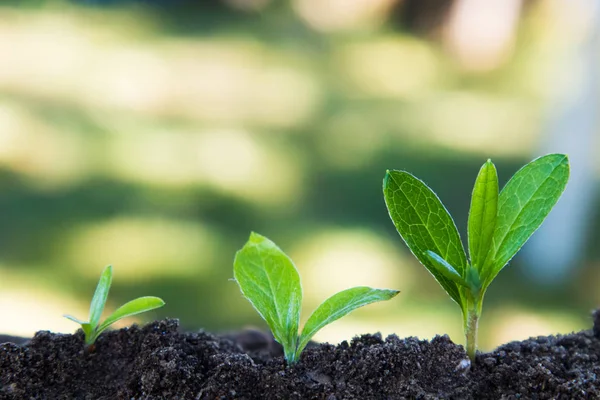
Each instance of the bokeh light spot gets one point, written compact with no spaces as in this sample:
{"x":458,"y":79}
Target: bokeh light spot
{"x":142,"y":249}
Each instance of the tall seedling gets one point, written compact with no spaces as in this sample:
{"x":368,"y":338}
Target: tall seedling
{"x":498,"y":226}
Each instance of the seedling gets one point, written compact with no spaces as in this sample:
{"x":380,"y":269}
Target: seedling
{"x":498,"y":226}
{"x":92,"y":328}
{"x":269,"y":280}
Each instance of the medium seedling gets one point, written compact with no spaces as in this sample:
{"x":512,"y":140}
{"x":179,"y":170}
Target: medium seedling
{"x":92,"y":328}
{"x":498,"y":226}
{"x":269,"y":280}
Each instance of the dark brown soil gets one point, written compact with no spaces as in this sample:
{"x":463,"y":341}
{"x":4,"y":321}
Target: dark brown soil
{"x":158,"y":362}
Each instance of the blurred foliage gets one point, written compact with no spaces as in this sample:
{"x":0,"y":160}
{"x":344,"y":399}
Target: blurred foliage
{"x":156,"y":139}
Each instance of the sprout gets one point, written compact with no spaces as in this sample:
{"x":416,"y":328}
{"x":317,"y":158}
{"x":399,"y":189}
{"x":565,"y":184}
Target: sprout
{"x":92,"y":328}
{"x":498,"y":226}
{"x":269,"y":280}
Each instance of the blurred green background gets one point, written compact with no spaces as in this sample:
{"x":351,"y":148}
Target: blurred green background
{"x":154,"y":136}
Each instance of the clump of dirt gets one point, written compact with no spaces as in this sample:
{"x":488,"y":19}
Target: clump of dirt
{"x":158,"y":362}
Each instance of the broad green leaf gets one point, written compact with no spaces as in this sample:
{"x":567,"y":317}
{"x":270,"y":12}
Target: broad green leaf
{"x":523,"y":205}
{"x":133,"y":307}
{"x":100,"y":295}
{"x":269,"y":280}
{"x":482,"y":215}
{"x":337,"y":306}
{"x":424,"y":224}
{"x":445,"y":269}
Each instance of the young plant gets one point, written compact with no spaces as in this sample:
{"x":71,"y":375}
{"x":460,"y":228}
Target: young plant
{"x":498,"y":226}
{"x":92,"y":328}
{"x":269,"y":280}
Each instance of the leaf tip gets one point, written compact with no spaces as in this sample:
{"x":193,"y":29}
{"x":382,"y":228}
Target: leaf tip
{"x":566,"y":162}
{"x":563,"y":158}
{"x":489,"y":164}
{"x":386,"y":177}
{"x":255,"y":237}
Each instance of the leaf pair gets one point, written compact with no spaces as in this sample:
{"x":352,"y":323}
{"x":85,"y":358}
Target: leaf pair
{"x":268,"y":278}
{"x":92,"y":328}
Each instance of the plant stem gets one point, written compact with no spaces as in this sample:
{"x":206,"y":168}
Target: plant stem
{"x":291,"y":354}
{"x":471,"y":334}
{"x":290,"y":357}
{"x":471,"y":323}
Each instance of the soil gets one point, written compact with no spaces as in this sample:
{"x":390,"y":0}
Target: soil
{"x":158,"y":362}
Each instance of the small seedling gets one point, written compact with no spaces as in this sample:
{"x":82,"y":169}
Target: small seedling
{"x":92,"y":328}
{"x":269,"y":280}
{"x":498,"y":226}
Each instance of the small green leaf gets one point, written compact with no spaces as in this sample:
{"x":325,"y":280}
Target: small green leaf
{"x":445,"y":269}
{"x":337,"y":306}
{"x":523,"y":205}
{"x":482,"y":215}
{"x":100,"y":295}
{"x":424,"y":224}
{"x":85,"y":326}
{"x":133,"y":307}
{"x":268,"y":278}
{"x":76,"y":320}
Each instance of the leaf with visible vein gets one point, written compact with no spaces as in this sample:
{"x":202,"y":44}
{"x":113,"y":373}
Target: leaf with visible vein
{"x":268,"y":278}
{"x":424,"y":224}
{"x":482,"y":214}
{"x":337,"y":306}
{"x":523,"y":205}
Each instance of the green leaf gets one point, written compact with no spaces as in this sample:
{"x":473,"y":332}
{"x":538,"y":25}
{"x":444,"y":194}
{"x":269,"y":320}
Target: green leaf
{"x":523,"y":205}
{"x":337,"y":306}
{"x":482,"y":215}
{"x":133,"y":307}
{"x":445,"y":269}
{"x":100,"y":295}
{"x":269,"y":280}
{"x":424,"y":224}
{"x":76,"y":320}
{"x":85,"y":326}
{"x":87,"y":330}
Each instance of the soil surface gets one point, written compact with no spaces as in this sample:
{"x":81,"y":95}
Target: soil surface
{"x":158,"y":362}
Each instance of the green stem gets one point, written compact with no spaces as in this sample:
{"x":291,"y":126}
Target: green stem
{"x":291,"y":354}
{"x":471,"y":334}
{"x":291,"y":357}
{"x":470,"y":325}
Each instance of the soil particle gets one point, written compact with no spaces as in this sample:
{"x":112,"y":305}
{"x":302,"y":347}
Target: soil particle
{"x":158,"y":362}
